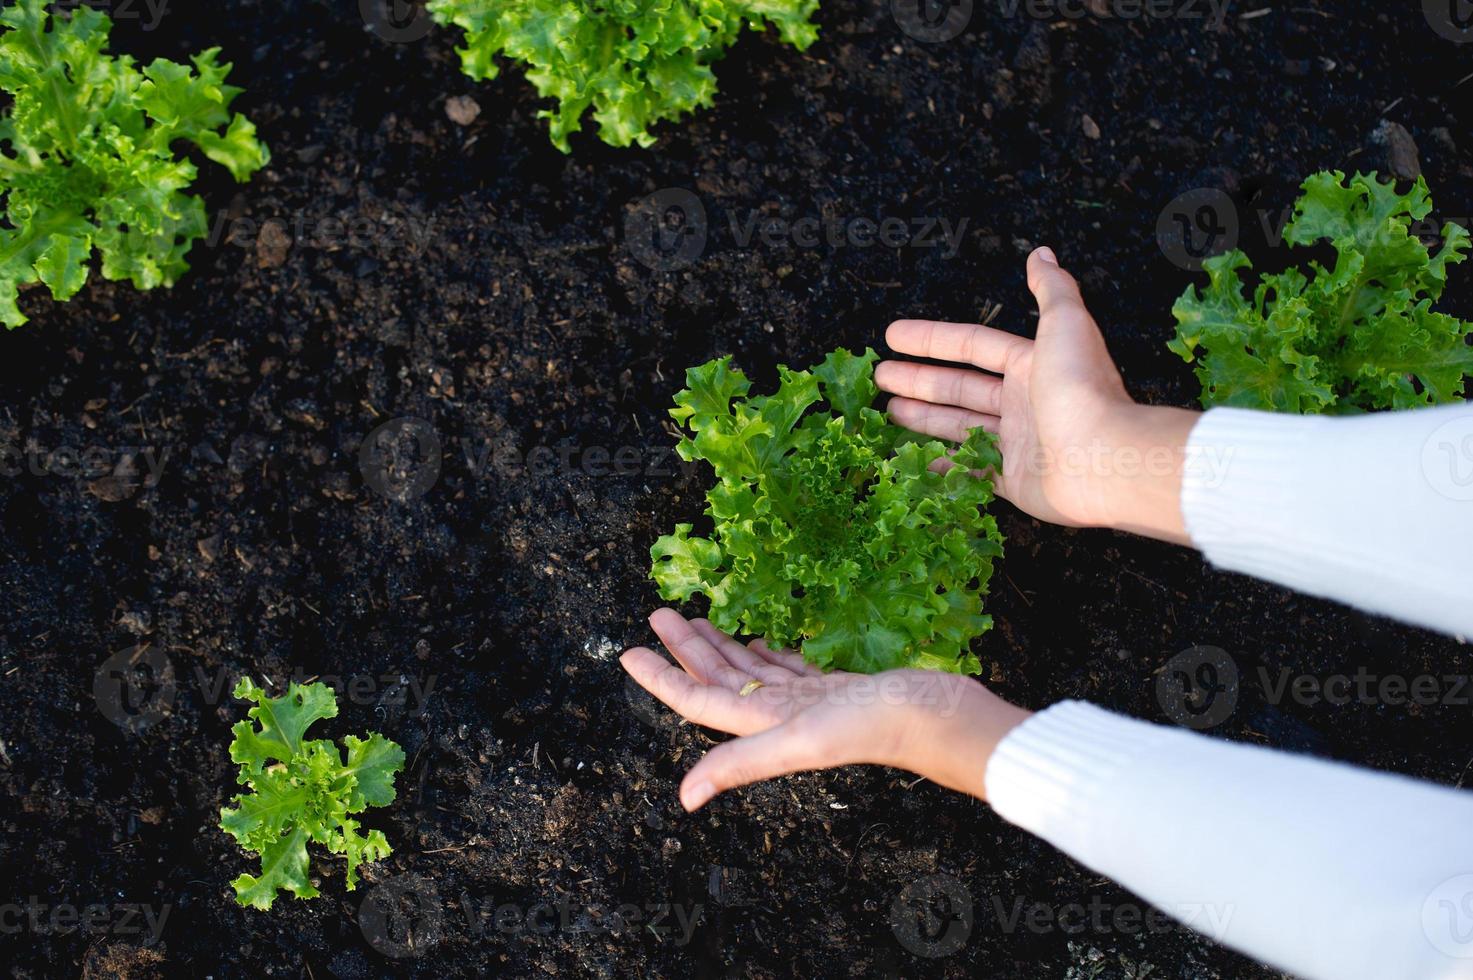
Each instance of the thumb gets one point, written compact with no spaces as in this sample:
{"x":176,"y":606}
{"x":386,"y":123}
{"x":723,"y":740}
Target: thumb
{"x":1056,"y":291}
{"x":793,"y":746}
{"x":1065,"y":324}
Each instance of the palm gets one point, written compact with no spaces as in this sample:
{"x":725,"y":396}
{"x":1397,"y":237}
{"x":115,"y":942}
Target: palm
{"x":793,"y":717}
{"x":1036,"y":395}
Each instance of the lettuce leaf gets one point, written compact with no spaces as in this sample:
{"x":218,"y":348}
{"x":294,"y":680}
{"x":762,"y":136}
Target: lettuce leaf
{"x":830,"y":529}
{"x":302,"y":790}
{"x":87,"y":155}
{"x":634,"y":62}
{"x":1358,"y":335}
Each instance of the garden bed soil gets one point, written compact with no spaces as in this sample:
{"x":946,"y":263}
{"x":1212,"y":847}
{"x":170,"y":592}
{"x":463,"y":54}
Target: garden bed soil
{"x":494,"y":295}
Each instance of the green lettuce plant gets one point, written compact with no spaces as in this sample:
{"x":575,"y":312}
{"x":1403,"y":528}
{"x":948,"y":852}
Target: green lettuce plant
{"x":635,"y":62}
{"x":87,"y":155}
{"x":831,"y":531}
{"x":1358,"y":335}
{"x":303,"y":790}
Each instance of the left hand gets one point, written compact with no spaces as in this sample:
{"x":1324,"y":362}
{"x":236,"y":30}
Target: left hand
{"x":937,"y":725}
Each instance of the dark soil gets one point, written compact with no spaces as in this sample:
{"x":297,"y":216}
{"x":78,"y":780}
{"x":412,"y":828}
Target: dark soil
{"x":522,"y":319}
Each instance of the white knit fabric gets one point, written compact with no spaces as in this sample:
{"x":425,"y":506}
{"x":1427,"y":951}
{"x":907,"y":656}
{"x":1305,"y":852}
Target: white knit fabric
{"x":1372,"y":510}
{"x":1317,"y":868}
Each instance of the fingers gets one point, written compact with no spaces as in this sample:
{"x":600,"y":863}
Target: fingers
{"x":714,"y":707}
{"x":941,"y":385}
{"x":939,"y":421}
{"x":967,"y":343}
{"x":784,"y":658}
{"x":794,"y":746}
{"x":742,"y":658}
{"x":695,"y":652}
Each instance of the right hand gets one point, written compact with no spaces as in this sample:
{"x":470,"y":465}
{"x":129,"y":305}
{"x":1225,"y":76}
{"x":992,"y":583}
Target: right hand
{"x":1059,"y":408}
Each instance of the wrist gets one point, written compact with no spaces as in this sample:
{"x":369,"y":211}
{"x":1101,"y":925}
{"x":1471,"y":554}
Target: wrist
{"x":957,"y":738}
{"x":1140,"y":485}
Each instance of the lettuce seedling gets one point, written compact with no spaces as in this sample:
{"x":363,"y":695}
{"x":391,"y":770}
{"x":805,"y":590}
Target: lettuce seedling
{"x":87,"y":155}
{"x":831,"y":529}
{"x":635,"y":62}
{"x":303,"y":790}
{"x":1357,"y":336}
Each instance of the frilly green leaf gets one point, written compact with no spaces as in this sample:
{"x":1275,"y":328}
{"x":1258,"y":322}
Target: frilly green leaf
{"x":303,"y":790}
{"x":1358,"y":336}
{"x":830,"y":529}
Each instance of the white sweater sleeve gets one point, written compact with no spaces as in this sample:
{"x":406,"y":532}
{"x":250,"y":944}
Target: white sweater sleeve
{"x":1318,"y":868}
{"x":1374,"y":510}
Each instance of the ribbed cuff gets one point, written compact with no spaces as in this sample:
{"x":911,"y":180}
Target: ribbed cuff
{"x":1238,"y":492}
{"x":1046,"y":774}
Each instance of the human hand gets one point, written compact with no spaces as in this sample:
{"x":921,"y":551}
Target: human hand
{"x":937,"y":725}
{"x":1077,"y":450}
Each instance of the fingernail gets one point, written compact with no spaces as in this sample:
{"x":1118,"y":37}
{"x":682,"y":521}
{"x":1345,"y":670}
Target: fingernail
{"x":696,"y":796}
{"x":1046,"y":254}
